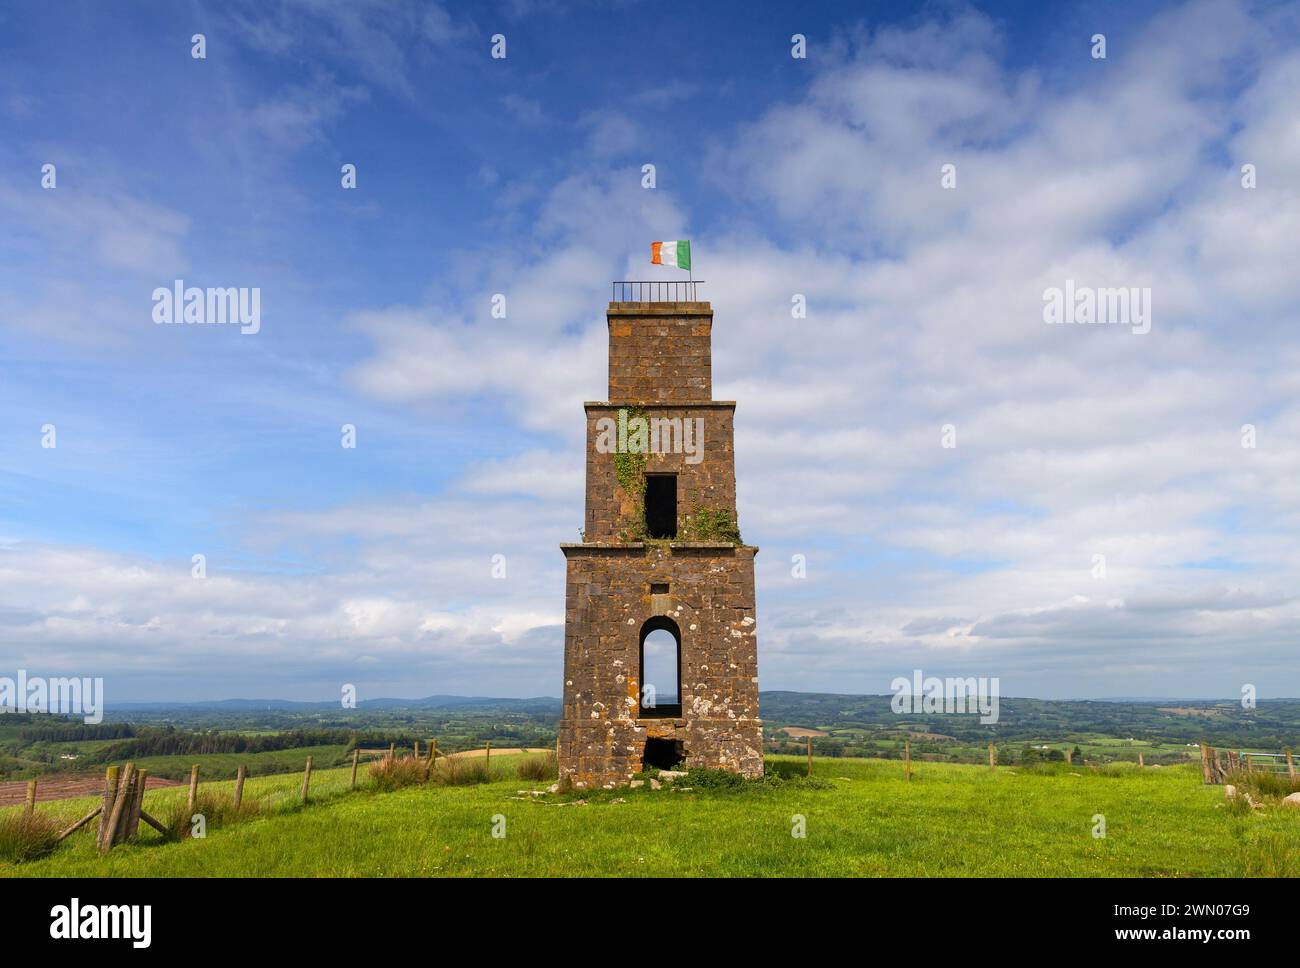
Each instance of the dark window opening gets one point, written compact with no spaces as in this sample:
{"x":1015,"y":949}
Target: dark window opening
{"x":663,"y":754}
{"x":661,"y":505}
{"x":658,"y":589}
{"x":661,"y":663}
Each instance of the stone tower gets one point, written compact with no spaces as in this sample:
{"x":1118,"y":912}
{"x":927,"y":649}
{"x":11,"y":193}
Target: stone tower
{"x":661,"y":559}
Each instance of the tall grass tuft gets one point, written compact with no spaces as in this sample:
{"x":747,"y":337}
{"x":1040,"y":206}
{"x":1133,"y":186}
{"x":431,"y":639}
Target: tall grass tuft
{"x":1238,"y":806}
{"x":1272,"y":855}
{"x":396,"y":773}
{"x":539,"y":768}
{"x":462,"y":771}
{"x":27,"y":836}
{"x":1261,"y":784}
{"x":217,"y":810}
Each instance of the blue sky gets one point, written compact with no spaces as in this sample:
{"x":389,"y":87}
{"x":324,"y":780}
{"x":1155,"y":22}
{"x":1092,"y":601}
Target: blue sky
{"x":522,"y":176}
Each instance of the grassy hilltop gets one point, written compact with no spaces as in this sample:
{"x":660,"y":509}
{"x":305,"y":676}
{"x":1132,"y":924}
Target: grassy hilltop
{"x":862,"y":818}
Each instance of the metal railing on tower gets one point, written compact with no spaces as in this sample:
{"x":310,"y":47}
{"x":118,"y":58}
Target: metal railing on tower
{"x":655,"y":290}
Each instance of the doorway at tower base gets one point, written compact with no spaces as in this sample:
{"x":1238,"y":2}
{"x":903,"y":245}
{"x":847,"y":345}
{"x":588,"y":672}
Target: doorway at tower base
{"x":610,"y":753}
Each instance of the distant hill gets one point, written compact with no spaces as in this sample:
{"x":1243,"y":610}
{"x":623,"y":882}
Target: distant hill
{"x":539,"y":704}
{"x":853,"y":720}
{"x":857,"y":723}
{"x":784,"y":707}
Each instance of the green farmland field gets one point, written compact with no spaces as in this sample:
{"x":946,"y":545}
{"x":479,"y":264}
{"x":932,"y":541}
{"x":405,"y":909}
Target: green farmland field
{"x":950,"y":820}
{"x":177,"y":767}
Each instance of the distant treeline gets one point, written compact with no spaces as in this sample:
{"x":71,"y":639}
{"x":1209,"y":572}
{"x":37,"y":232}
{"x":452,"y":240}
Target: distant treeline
{"x":168,"y":741}
{"x":71,"y":732}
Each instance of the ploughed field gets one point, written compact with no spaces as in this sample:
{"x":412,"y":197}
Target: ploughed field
{"x":62,"y":786}
{"x":861,"y":817}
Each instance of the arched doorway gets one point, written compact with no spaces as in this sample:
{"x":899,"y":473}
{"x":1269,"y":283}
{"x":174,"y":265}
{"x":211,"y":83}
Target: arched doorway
{"x":661,"y":668}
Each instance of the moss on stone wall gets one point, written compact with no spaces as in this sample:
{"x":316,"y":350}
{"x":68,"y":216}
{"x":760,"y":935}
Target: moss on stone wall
{"x":629,"y":468}
{"x":710,"y":524}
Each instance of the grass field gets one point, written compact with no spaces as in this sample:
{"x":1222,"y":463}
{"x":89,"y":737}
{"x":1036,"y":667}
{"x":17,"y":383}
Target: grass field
{"x":950,"y":820}
{"x":177,"y":767}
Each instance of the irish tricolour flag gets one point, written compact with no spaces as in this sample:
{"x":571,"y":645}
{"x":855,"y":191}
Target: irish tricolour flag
{"x":677,"y":253}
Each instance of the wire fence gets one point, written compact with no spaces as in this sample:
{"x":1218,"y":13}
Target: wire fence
{"x":1216,"y":764}
{"x":1264,"y":762}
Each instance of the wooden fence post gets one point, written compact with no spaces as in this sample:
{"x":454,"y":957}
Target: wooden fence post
{"x":1216,"y":774}
{"x":306,"y":779}
{"x":1205,"y":763}
{"x":125,"y":805}
{"x":810,"y":756}
{"x":392,"y":750}
{"x":1069,"y":757}
{"x":993,"y":759}
{"x":487,"y":757}
{"x":1141,"y":762}
{"x":106,"y":804}
{"x":907,"y":759}
{"x":355,"y":754}
{"x":1290,"y":766}
{"x":1250,"y":764}
{"x":194,"y":788}
{"x":417,"y":750}
{"x":137,"y":803}
{"x":30,"y":806}
{"x":240,"y":776}
{"x":119,"y":804}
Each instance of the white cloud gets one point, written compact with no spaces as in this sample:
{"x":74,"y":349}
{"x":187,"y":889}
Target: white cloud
{"x":924,"y":309}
